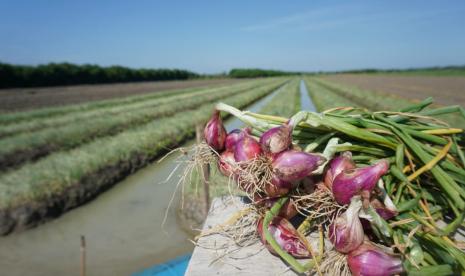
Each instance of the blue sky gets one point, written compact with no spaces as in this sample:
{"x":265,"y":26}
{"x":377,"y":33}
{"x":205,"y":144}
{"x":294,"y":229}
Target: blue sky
{"x":215,"y":36}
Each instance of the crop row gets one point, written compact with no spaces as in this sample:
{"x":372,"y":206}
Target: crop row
{"x":51,"y":180}
{"x":323,"y":98}
{"x":363,"y":98}
{"x":286,"y":103}
{"x":137,"y":104}
{"x":378,"y":101}
{"x":17,"y":149}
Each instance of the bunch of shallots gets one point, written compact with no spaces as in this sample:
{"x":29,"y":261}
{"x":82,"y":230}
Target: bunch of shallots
{"x":386,"y":188}
{"x":286,"y":169}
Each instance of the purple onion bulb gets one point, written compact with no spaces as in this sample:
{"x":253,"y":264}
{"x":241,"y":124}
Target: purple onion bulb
{"x":337,"y":165}
{"x":277,"y":139}
{"x":214,"y":132}
{"x":371,"y":260}
{"x":294,"y":165}
{"x":346,"y":232}
{"x":234,"y":136}
{"x":351,"y":182}
{"x":247,"y":148}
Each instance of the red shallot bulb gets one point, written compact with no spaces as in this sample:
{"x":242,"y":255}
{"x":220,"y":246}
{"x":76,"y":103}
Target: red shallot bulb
{"x":337,"y":165}
{"x":371,"y":260}
{"x":277,"y":139}
{"x":214,"y":132}
{"x":247,"y":148}
{"x":234,"y":136}
{"x":346,"y":232}
{"x":294,"y":165}
{"x":352,"y":182}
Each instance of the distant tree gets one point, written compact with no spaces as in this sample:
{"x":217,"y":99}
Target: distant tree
{"x":53,"y":74}
{"x":255,"y":73}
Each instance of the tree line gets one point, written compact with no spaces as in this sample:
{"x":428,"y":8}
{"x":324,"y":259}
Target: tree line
{"x":54,"y":74}
{"x":255,"y":73}
{"x":434,"y":69}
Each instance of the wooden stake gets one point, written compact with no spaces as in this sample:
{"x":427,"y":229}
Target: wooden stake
{"x":83,"y":256}
{"x":205,"y":172}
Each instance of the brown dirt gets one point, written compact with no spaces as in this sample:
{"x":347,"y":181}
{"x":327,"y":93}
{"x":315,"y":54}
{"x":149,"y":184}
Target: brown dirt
{"x":445,"y":90}
{"x":18,"y":99}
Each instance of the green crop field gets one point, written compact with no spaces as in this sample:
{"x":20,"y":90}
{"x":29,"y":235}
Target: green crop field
{"x":84,"y":127}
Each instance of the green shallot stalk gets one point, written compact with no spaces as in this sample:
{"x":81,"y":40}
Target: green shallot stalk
{"x":459,"y":150}
{"x":450,"y":187}
{"x":419,"y":106}
{"x":315,"y":120}
{"x":249,"y":120}
{"x":400,"y":156}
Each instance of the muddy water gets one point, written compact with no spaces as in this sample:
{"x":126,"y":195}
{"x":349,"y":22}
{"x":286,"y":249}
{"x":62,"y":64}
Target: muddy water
{"x":122,"y":229}
{"x":306,"y":101}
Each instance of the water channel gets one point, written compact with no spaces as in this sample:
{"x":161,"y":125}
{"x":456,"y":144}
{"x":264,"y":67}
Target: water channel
{"x":305,"y":100}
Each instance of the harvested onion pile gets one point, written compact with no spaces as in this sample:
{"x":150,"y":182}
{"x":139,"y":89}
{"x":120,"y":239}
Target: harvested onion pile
{"x":387,"y":189}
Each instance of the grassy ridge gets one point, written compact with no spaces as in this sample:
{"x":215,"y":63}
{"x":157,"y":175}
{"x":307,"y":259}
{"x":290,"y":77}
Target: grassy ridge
{"x":323,"y":98}
{"x":17,"y":149}
{"x":286,"y":103}
{"x":51,"y":176}
{"x":366,"y":99}
{"x":135,"y":104}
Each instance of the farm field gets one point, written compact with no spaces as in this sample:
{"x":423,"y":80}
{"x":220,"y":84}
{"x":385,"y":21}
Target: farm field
{"x":328,"y":94}
{"x":445,"y":90}
{"x":92,"y":156}
{"x":34,"y":138}
{"x":17,"y":99}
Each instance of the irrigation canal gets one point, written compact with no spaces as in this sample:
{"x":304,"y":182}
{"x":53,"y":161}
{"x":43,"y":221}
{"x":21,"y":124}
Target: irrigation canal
{"x":122,"y":226}
{"x":305,"y":100}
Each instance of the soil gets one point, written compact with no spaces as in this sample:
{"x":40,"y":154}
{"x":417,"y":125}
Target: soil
{"x":444,"y":90}
{"x":19,"y":99}
{"x":17,"y":158}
